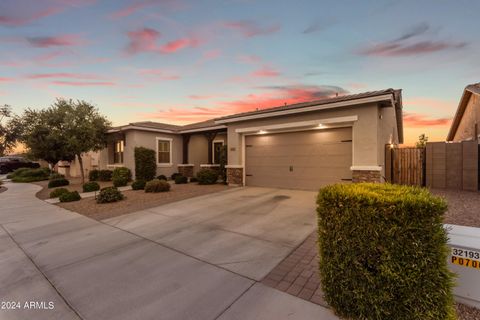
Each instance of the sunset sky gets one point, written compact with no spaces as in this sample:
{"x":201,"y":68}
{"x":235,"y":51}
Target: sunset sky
{"x":183,"y":61}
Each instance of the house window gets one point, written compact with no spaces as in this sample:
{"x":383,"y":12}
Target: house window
{"x":164,"y":151}
{"x":217,"y":150}
{"x":118,"y":151}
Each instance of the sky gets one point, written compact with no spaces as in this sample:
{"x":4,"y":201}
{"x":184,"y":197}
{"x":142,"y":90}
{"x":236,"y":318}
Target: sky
{"x":184,"y":61}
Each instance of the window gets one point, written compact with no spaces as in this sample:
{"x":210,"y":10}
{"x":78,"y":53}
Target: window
{"x":164,"y":151}
{"x":118,"y":151}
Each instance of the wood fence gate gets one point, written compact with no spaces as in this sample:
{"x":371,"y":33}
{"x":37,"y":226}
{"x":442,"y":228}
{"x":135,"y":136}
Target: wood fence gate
{"x":405,"y":165}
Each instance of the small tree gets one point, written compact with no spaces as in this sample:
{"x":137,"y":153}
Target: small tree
{"x":422,"y":141}
{"x":9,"y":131}
{"x":145,"y":164}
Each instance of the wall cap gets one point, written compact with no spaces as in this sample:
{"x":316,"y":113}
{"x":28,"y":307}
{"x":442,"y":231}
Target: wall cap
{"x":234,"y":166}
{"x":209,"y":165}
{"x":366,"y":168}
{"x":185,"y":165}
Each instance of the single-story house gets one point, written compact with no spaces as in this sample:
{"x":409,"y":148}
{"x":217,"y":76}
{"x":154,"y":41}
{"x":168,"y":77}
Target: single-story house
{"x":298,"y":146}
{"x":466,"y":123}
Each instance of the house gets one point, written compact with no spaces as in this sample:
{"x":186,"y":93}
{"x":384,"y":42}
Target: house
{"x":466,"y":123}
{"x":298,"y":146}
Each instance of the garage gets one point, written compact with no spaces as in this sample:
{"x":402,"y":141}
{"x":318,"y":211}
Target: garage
{"x":303,"y":160}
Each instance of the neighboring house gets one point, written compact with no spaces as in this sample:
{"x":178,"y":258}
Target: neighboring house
{"x":466,"y":123}
{"x":72,"y":168}
{"x":299,"y":146}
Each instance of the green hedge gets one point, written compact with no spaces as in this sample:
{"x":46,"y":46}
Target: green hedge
{"x":145,"y":164}
{"x":179,"y":179}
{"x":69,"y":196}
{"x":90,"y":186}
{"x":156,"y":185}
{"x":29,"y":175}
{"x":207,"y":176}
{"x":105,"y":175}
{"x":93,"y":175}
{"x":58,"y":183}
{"x":109,"y":194}
{"x":138,"y":185}
{"x":383,"y":252}
{"x":58,"y":192}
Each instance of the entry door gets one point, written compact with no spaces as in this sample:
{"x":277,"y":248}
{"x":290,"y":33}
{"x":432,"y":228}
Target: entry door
{"x":305,"y":160}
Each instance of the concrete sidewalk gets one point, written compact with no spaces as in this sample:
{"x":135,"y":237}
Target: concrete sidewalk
{"x":91,"y":270}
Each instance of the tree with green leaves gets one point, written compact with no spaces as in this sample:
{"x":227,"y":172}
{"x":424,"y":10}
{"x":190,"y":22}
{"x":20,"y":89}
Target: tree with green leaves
{"x":9,"y":130}
{"x":422,"y":141}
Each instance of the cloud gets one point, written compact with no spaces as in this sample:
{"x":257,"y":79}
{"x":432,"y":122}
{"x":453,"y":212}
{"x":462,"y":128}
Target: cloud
{"x":16,"y":21}
{"x":83,"y":83}
{"x":202,"y":97}
{"x":139,"y":5}
{"x":62,"y":75}
{"x":402,"y":46}
{"x":142,"y":40}
{"x":158,"y":74}
{"x":4,"y":79}
{"x":66,"y":40}
{"x":318,"y":25}
{"x":419,"y":120}
{"x":249,"y":28}
{"x":249,"y":59}
{"x":177,"y":45}
{"x":273,"y":96}
{"x":265,"y":72}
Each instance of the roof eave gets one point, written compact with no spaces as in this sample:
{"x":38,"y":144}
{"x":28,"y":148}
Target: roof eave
{"x":459,"y":114}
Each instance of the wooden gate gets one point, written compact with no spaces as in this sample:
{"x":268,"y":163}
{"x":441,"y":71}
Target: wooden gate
{"x":405,"y":165}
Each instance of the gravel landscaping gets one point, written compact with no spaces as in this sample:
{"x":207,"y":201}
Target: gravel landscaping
{"x":75,"y":185}
{"x":463,"y":207}
{"x":139,"y":200}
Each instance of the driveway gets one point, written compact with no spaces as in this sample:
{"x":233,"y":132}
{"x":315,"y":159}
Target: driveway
{"x":195,"y":259}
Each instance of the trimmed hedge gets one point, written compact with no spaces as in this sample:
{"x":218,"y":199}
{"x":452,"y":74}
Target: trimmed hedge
{"x":174,"y":176}
{"x":56,"y":175}
{"x":90,"y":186}
{"x":93,"y":175}
{"x":383,"y":252}
{"x":207,"y":176}
{"x":179,"y":179}
{"x":121,"y":176}
{"x":58,"y":183}
{"x":138,"y":184}
{"x":162,"y":177}
{"x":156,"y":185}
{"x":29,"y":174}
{"x":105,"y":175}
{"x":109,"y":194}
{"x":193,"y":179}
{"x":58,"y":192}
{"x":69,"y":196}
{"x":145,"y":164}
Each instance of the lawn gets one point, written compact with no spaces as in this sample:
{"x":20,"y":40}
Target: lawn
{"x":139,"y":200}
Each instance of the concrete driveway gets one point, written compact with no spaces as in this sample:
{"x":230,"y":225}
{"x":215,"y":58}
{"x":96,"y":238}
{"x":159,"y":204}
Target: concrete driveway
{"x":195,"y":259}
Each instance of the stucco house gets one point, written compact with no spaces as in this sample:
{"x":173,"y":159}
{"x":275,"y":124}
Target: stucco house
{"x":299,"y":146}
{"x":466,"y":123}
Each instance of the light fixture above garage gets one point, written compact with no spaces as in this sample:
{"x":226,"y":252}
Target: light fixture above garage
{"x":320,"y":126}
{"x":262,"y":132}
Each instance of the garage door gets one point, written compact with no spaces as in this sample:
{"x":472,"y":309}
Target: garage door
{"x":303,"y":160}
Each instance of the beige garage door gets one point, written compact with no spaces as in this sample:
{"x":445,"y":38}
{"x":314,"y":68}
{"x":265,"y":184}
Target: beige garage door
{"x":303,"y":160}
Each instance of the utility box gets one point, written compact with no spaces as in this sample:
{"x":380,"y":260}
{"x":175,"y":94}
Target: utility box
{"x":464,"y":260}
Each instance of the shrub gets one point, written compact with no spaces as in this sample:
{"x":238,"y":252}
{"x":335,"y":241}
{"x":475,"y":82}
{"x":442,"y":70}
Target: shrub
{"x":70,"y":196}
{"x":162,"y":177}
{"x":109,"y":194}
{"x":105,"y":175}
{"x":138,"y":185}
{"x":93,"y":175}
{"x":383,"y":252}
{"x":122,"y":172}
{"x":90,"y":186}
{"x":56,"y":175}
{"x":58,"y":192}
{"x":156,"y":185}
{"x":207,"y":176}
{"x":58,"y":183}
{"x":174,"y":176}
{"x":30,"y":175}
{"x":119,"y":182}
{"x":193,"y":179}
{"x":179,"y":179}
{"x":145,"y":164}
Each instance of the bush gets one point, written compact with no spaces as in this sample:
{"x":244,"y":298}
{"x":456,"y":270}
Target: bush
{"x":193,"y":179}
{"x":162,"y":177}
{"x":156,"y":185}
{"x":91,"y":186}
{"x":138,"y":185}
{"x":56,"y":175}
{"x":58,"y":183}
{"x":58,"y":192}
{"x":119,"y":182}
{"x":122,"y":172}
{"x":383,"y":252}
{"x":145,"y":164}
{"x":70,"y":196}
{"x":93,"y":175}
{"x":179,"y":179}
{"x":174,"y":176}
{"x":30,"y":175}
{"x":109,"y":194}
{"x":207,"y":176}
{"x":105,"y":175}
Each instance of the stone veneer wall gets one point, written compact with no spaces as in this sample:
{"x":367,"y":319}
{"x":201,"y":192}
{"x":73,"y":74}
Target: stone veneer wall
{"x":366,"y":176}
{"x":186,"y":171}
{"x":235,"y":176}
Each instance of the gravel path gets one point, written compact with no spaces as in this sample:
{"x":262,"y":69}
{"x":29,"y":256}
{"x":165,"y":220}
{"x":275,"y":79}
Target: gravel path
{"x":463,"y":207}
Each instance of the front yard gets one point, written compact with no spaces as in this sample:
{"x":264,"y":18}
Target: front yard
{"x":139,"y":200}
{"x":463,"y":207}
{"x":75,"y":185}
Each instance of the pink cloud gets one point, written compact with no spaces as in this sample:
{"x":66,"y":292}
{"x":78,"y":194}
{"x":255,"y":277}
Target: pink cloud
{"x":249,"y":59}
{"x":15,"y":21}
{"x":265,"y":72}
{"x":175,"y":45}
{"x":250,"y":28}
{"x":62,"y":75}
{"x":158,"y":74}
{"x":83,"y":83}
{"x":67,"y":40}
{"x":430,"y":103}
{"x":142,"y":40}
{"x":4,"y":79}
{"x":211,"y":54}
{"x":419,"y":120}
{"x":201,"y":97}
{"x":139,"y":5}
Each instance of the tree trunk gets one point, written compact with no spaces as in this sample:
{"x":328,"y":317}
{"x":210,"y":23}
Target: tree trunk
{"x":80,"y":162}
